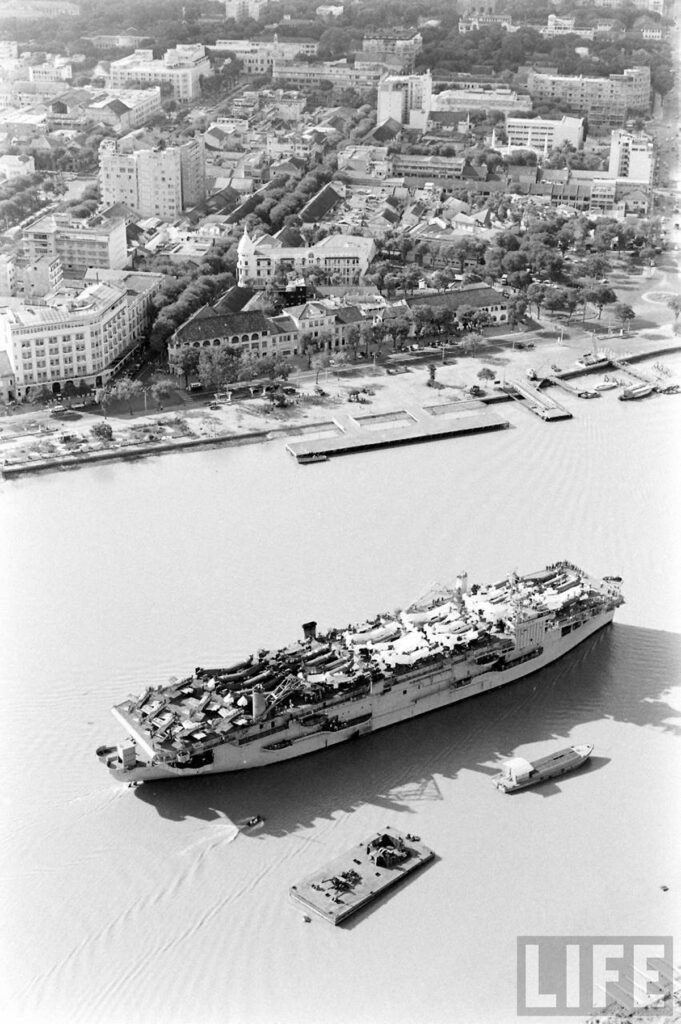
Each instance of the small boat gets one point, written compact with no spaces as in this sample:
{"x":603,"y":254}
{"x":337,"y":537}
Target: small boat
{"x":606,"y":385}
{"x":637,"y":391}
{"x":518,"y":773}
{"x":591,"y":361}
{"x":588,"y":394}
{"x":312,"y":457}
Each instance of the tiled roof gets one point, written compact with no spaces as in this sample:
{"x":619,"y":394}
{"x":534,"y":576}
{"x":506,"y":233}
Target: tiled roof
{"x":320,"y":205}
{"x":476,"y":297}
{"x":220,"y":326}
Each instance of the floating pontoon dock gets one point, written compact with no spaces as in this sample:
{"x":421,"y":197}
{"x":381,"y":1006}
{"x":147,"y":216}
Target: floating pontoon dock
{"x":361,"y":875}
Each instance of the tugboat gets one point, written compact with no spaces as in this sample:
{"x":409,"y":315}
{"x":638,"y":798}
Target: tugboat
{"x":519,"y":773}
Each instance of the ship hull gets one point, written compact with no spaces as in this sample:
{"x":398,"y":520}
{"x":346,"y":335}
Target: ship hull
{"x":407,"y":698}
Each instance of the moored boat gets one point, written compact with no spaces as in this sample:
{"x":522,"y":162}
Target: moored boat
{"x":518,"y":773}
{"x":606,"y":385}
{"x":636,"y":391}
{"x":453,"y":643}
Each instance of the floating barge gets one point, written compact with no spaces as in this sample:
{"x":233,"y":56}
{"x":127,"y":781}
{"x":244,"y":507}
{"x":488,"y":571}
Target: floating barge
{"x":361,"y":875}
{"x":405,"y":426}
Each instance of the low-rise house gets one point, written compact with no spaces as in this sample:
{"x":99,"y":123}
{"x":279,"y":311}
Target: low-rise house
{"x":477,"y":297}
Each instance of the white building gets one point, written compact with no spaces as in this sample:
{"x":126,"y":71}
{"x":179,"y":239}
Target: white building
{"x":181,"y":68}
{"x":406,"y":99}
{"x":154,"y":179}
{"x":261,"y":259}
{"x":8,"y":274}
{"x":631,"y":156}
{"x":503,"y":100}
{"x":239,"y":10}
{"x":542,"y":134}
{"x":258,"y":56}
{"x":76,"y":335}
{"x":79,"y":244}
{"x":325,"y":11}
{"x":12,"y":166}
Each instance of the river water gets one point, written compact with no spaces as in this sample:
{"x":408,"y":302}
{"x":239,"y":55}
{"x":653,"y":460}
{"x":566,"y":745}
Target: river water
{"x":149,"y":905}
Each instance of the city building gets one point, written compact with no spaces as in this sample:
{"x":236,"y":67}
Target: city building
{"x":262,"y":259}
{"x":339,"y":74}
{"x":12,"y":166}
{"x":631,"y":156}
{"x":58,"y":71}
{"x":406,"y":99}
{"x":327,"y":11}
{"x":182,"y":68}
{"x":125,"y":41}
{"x":8,"y":274}
{"x":258,"y":56}
{"x":543,"y":134}
{"x":121,"y":109}
{"x":239,"y":10}
{"x":77,"y":334}
{"x":478,"y":21}
{"x":42,"y":277}
{"x":396,"y":47}
{"x":653,"y":6}
{"x":473,"y":96}
{"x":153,"y":178}
{"x":79,"y":244}
{"x":606,"y":101}
{"x":37,"y":10}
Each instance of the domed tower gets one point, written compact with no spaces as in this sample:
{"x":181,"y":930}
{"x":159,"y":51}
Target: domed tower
{"x":245,"y":250}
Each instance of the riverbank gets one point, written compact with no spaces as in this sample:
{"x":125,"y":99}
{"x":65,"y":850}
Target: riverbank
{"x":384,"y":391}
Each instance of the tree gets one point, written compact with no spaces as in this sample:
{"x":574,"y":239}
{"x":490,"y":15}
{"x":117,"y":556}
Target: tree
{"x":536,"y":294}
{"x":486,"y":374}
{"x":103,"y":431}
{"x":70,"y":390}
{"x":320,"y":361}
{"x":127,"y":390}
{"x":160,"y":390}
{"x":218,"y":366}
{"x":103,"y":398}
{"x":601,"y":295}
{"x":623,"y":313}
{"x":189,"y":361}
{"x":675,"y":305}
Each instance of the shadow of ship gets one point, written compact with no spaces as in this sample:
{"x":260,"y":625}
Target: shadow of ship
{"x":622,"y":672}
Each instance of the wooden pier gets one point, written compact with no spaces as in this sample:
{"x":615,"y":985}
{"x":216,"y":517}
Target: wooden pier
{"x":537,"y":401}
{"x":403,"y":426}
{"x":360,"y":875}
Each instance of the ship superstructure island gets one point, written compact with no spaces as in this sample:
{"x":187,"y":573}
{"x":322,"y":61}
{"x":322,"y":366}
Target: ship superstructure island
{"x":455,"y":642}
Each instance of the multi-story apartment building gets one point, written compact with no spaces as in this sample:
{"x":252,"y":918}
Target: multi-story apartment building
{"x":75,"y":335}
{"x":261,"y":259}
{"x":258,"y":56}
{"x":476,"y":97}
{"x":8,"y":274}
{"x":59,"y":71}
{"x":395,"y":47}
{"x":605,"y":101}
{"x":541,"y":134}
{"x":42,"y":277}
{"x":120,"y":42}
{"x":340,"y":74}
{"x":79,"y":244}
{"x":153,"y":178}
{"x":406,"y":99}
{"x":478,"y":21}
{"x":182,"y":68}
{"x":238,"y":10}
{"x":631,"y":156}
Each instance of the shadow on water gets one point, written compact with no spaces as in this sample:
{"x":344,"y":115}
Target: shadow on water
{"x":621,"y":673}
